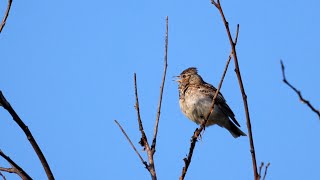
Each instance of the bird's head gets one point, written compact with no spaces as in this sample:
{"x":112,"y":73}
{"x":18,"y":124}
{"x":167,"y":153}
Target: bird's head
{"x":189,"y":76}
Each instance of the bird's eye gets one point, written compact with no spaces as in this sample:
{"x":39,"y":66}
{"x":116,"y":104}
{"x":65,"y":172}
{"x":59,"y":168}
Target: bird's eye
{"x":183,"y":76}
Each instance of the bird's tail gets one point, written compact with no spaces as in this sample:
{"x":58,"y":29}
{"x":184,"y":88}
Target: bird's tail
{"x":234,"y":130}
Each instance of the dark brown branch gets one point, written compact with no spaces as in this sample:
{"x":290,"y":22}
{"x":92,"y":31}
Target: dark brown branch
{"x":15,"y":167}
{"x":297,"y":91}
{"x":132,"y":145}
{"x":27,"y":132}
{"x":198,"y":131}
{"x":4,"y":20}
{"x":244,"y":96}
{"x":154,"y":141}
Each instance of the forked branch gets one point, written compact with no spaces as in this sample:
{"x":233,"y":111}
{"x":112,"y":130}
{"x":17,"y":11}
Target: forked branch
{"x":144,"y":141}
{"x":15,"y":168}
{"x":265,"y":170}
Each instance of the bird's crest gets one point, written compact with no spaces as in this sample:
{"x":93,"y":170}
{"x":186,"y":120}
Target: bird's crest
{"x":191,"y":70}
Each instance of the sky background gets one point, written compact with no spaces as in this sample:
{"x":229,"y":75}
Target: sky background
{"x":67,"y":69}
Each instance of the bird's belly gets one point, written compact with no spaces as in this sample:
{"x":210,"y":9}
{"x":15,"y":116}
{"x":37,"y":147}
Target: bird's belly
{"x":196,"y":109}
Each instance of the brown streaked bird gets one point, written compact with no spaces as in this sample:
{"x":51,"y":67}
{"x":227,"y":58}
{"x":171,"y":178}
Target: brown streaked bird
{"x":195,"y":99}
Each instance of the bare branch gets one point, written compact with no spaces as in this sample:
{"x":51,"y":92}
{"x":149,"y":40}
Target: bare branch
{"x":154,"y":141}
{"x":144,"y":141}
{"x":244,"y":96}
{"x":132,"y":145}
{"x":297,"y":91}
{"x":4,"y":20}
{"x":27,"y":132}
{"x":15,"y":168}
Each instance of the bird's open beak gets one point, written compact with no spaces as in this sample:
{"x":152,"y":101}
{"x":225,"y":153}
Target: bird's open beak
{"x":177,"y":79}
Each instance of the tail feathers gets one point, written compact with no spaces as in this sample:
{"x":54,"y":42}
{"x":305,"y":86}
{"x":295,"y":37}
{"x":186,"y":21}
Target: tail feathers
{"x":234,"y":130}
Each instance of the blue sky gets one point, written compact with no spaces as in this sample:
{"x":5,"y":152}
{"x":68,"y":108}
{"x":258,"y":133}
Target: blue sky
{"x":67,"y":69}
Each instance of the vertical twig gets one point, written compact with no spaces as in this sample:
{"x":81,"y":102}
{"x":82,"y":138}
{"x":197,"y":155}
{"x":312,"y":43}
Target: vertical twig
{"x":144,"y":140}
{"x":15,"y":168}
{"x":27,"y":132}
{"x":4,"y":20}
{"x":154,"y":141}
{"x":260,"y":169}
{"x":244,"y":96}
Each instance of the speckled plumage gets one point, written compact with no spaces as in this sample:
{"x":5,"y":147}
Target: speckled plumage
{"x":195,"y":99}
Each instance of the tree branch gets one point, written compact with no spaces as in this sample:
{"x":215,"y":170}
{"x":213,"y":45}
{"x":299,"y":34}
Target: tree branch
{"x":244,"y":96}
{"x":4,"y":20}
{"x":27,"y":132}
{"x":297,"y":91}
{"x":15,"y":168}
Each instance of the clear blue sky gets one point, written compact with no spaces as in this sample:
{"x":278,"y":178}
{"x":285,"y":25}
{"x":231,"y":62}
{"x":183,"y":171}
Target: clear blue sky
{"x":67,"y":69}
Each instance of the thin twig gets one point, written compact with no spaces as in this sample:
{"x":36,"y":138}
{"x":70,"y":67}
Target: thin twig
{"x":244,"y":96}
{"x":265,"y":171}
{"x":154,"y":141}
{"x":198,"y":131}
{"x":27,"y":132}
{"x":222,"y":78}
{"x":4,"y":20}
{"x":144,"y":140}
{"x":15,"y":168}
{"x":297,"y":91}
{"x":260,"y":169}
{"x":132,"y":145}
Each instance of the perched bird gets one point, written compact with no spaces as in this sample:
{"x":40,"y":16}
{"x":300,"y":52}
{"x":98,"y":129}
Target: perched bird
{"x":195,"y":99}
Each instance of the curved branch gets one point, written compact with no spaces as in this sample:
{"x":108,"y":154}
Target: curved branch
{"x":4,"y":20}
{"x":27,"y":132}
{"x":298,"y":92}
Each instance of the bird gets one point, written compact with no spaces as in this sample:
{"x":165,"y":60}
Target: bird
{"x":195,"y":100}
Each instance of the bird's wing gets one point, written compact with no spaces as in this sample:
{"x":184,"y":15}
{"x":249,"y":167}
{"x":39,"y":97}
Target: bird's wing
{"x":221,"y":102}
